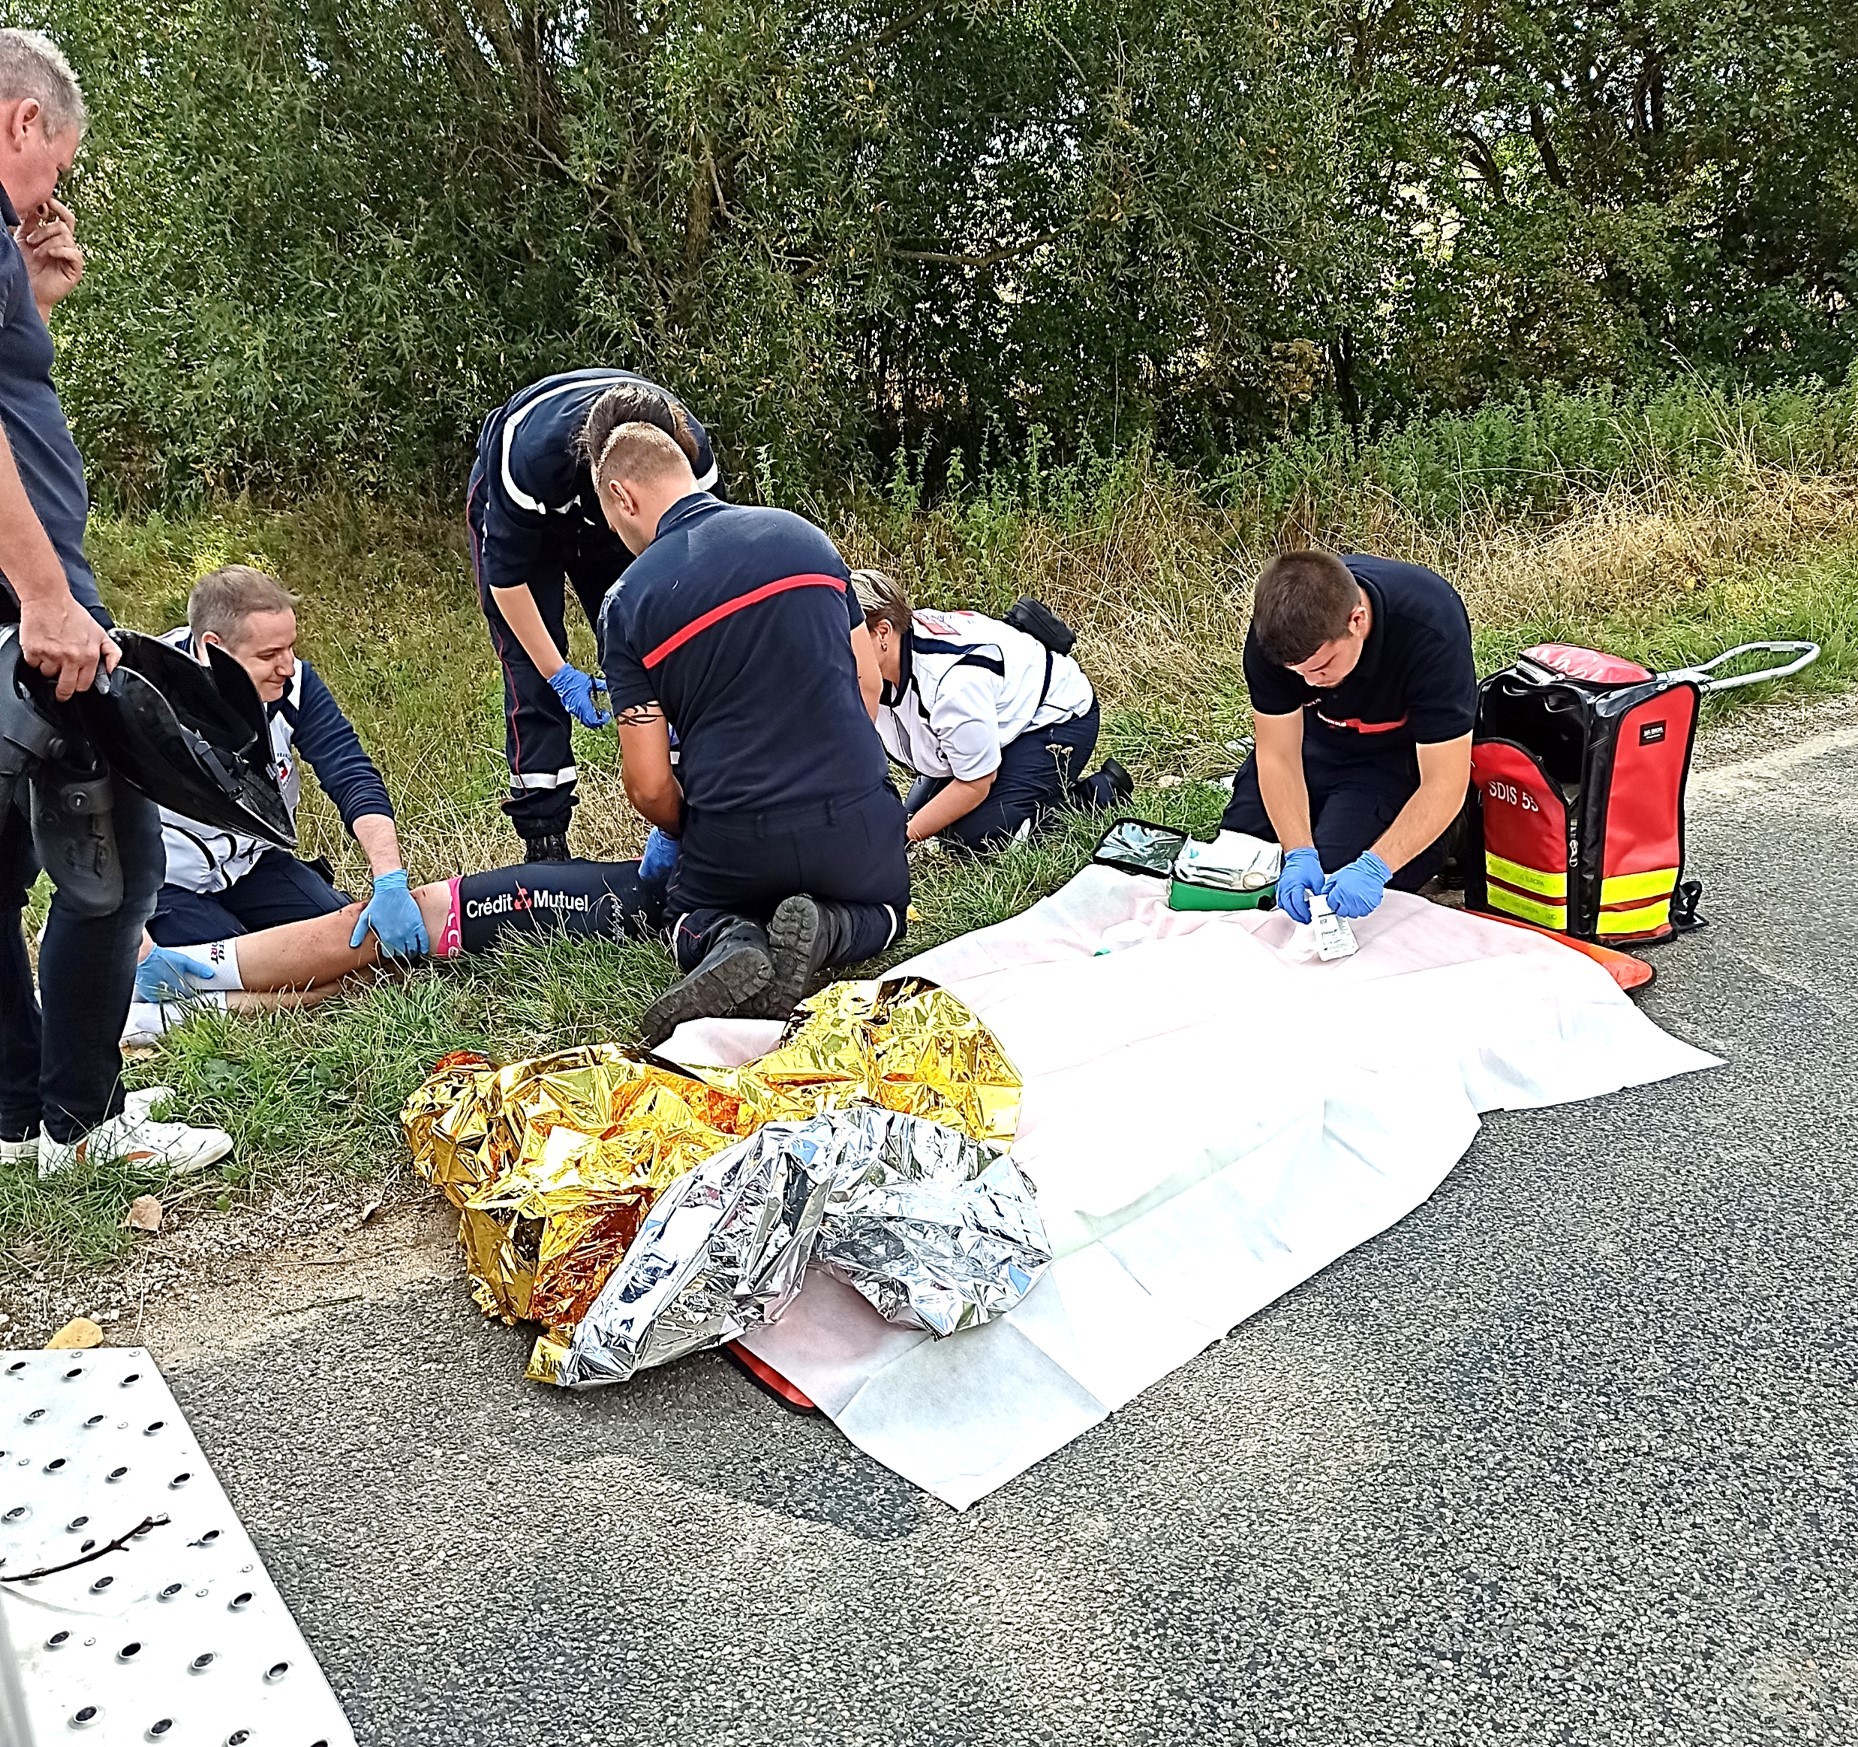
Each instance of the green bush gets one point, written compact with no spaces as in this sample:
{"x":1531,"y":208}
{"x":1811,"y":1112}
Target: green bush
{"x":327,"y":235}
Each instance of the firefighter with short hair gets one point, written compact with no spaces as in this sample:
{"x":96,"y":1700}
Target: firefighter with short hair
{"x":1364,"y":695}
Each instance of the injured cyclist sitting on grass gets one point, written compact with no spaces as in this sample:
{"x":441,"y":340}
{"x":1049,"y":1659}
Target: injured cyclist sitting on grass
{"x":301,"y":963}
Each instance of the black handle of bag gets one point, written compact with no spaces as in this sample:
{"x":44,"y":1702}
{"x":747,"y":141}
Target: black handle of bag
{"x":1041,"y":624}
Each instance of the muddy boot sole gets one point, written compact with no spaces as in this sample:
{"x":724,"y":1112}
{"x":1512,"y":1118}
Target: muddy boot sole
{"x":794,"y":941}
{"x":734,"y":974}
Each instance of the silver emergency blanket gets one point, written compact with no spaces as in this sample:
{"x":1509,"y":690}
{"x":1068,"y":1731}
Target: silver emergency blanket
{"x":938,"y":1231}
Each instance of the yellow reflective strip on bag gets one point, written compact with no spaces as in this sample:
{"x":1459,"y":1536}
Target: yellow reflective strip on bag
{"x":1526,"y":909}
{"x":1530,"y":879}
{"x":1649,"y":918}
{"x":1635,"y":888}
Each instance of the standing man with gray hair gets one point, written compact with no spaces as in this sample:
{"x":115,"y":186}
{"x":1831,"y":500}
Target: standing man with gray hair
{"x":61,"y":1095}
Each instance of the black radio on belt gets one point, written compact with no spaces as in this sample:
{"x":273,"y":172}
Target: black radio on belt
{"x":1041,"y":624}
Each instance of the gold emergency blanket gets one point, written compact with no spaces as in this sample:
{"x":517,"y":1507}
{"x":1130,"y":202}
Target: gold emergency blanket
{"x":554,"y":1162}
{"x":906,"y":1046}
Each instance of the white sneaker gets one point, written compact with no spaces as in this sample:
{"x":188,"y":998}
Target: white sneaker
{"x":20,"y":1152}
{"x":137,"y":1104}
{"x":171,"y":1147}
{"x":149,"y":1021}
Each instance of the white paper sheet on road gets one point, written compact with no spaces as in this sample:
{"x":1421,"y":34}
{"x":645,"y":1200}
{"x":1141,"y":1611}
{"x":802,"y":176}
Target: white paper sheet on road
{"x":1209,"y":1118}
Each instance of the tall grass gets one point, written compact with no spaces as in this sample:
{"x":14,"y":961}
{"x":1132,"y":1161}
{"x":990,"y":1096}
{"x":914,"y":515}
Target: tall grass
{"x":1536,"y":454}
{"x":1664,"y":528}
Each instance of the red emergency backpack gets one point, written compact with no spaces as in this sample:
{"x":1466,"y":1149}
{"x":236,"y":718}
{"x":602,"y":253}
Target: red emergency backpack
{"x":1578,"y":765}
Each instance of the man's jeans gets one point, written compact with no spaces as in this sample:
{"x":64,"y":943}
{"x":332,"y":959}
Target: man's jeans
{"x":65,"y":1068}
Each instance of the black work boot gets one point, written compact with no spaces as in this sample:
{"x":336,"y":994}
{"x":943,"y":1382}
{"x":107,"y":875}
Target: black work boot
{"x":1107,"y":790}
{"x":553,"y":847}
{"x":733,"y":972}
{"x":804,"y":937}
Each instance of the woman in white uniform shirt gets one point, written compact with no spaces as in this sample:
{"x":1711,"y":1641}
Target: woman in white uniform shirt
{"x":996,"y":725}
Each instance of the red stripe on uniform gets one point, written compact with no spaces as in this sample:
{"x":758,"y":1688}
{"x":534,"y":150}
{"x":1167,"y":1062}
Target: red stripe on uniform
{"x":754,"y":597}
{"x":1361,"y":727}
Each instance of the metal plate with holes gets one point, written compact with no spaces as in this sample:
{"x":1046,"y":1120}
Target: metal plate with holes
{"x":179,"y":1638}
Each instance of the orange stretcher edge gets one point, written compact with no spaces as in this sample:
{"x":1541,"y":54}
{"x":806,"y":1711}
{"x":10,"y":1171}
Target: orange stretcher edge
{"x":1628,"y":972}
{"x":788,"y":1394}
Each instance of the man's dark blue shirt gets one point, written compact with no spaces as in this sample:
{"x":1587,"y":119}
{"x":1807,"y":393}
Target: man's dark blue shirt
{"x":1415,"y":684}
{"x":36,"y":431}
{"x":738,"y":622}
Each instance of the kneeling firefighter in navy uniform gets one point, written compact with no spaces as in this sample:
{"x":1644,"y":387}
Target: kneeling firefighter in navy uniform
{"x":738,"y":630}
{"x":1364,"y":695}
{"x":534,"y":528}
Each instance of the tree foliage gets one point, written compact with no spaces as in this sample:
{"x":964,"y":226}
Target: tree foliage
{"x":327,"y":235}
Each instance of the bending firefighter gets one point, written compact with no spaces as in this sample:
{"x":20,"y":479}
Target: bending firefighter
{"x":535,"y":530}
{"x":1364,"y":697}
{"x":224,"y":883}
{"x":738,"y":630}
{"x":995,"y":721}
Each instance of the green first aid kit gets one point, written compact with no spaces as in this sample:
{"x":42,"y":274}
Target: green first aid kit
{"x":1140,"y":846}
{"x":1184,"y":896}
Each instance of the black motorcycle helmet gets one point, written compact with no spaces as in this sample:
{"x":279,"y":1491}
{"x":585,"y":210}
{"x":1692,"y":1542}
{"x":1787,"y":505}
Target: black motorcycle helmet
{"x":192,"y":738}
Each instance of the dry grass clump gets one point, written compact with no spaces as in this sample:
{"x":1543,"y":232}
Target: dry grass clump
{"x":1626,"y":548}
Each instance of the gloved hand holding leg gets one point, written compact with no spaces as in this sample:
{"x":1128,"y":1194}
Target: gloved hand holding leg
{"x":659,"y":859}
{"x":1357,"y":888}
{"x":392,"y":914}
{"x":1302,"y":874}
{"x":580,"y":695}
{"x":164,"y":974}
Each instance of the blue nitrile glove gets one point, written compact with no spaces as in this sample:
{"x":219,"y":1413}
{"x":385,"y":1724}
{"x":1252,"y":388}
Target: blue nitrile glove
{"x":1302,"y":874}
{"x":162,"y":976}
{"x":660,"y":857}
{"x":393,"y":915}
{"x":580,"y":695}
{"x":1357,"y":888}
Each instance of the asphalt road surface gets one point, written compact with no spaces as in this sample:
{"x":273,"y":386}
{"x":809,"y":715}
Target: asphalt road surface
{"x":1567,"y":1456}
